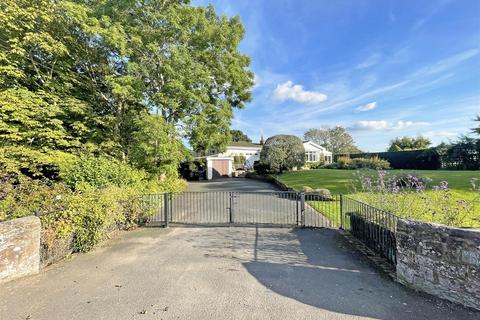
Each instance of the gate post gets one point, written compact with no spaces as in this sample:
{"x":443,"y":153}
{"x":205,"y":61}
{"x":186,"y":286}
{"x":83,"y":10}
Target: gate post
{"x":302,"y":208}
{"x":230,"y":207}
{"x":165,"y":208}
{"x":297,"y":208}
{"x":342,"y":213}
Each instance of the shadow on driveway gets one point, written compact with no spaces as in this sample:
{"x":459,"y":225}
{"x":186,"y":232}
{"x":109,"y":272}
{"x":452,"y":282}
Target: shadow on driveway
{"x":219,"y":273}
{"x":317,"y":268}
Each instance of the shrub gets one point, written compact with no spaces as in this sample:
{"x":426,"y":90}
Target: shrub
{"x":22,"y":196}
{"x":324,"y":193}
{"x":372,"y":163}
{"x":315,"y":165}
{"x":282,"y":152}
{"x":86,"y":216}
{"x":332,"y":165}
{"x":239,"y":161}
{"x":193,"y":169}
{"x":359,"y":163}
{"x":99,"y":172}
{"x":102,"y":195}
{"x":307,"y":189}
{"x":409,"y":180}
{"x":316,"y":194}
{"x":343,"y":162}
{"x":261,"y":168}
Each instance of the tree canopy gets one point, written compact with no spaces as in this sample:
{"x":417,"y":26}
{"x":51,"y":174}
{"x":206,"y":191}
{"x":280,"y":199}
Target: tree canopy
{"x":238,"y":135}
{"x":335,"y":139}
{"x":409,"y":143}
{"x":282,"y":152}
{"x":463,"y":154}
{"x":477,"y":129}
{"x":129,"y":79}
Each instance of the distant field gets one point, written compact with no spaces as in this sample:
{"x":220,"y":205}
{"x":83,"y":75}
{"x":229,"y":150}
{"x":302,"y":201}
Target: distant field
{"x":343,"y":181}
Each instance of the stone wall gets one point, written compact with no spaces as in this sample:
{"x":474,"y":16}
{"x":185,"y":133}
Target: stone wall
{"x":19,"y":248}
{"x":439,"y":260}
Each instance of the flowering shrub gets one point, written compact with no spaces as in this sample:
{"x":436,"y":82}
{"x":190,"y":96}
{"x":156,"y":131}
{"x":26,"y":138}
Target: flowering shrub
{"x":410,"y":196}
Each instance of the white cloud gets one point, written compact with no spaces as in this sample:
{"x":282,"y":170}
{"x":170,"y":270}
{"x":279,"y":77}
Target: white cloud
{"x":346,"y":102}
{"x":367,"y":107}
{"x":382,"y":125}
{"x":441,"y":134}
{"x":372,"y":60}
{"x":296,"y":92}
{"x":447,"y":63}
{"x":438,"y":6}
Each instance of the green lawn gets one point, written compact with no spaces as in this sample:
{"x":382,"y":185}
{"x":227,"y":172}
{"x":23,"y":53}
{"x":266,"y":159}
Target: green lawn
{"x":342,"y":181}
{"x":407,"y":205}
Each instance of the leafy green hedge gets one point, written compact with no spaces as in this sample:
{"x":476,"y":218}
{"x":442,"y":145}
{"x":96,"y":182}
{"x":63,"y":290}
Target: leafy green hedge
{"x":101,"y":171}
{"x":88,"y":199}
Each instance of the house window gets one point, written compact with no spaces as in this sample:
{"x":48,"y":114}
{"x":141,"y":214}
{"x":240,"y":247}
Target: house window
{"x":311,"y":156}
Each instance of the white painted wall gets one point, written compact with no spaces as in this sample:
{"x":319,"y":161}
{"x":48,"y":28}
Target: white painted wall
{"x":251,"y":154}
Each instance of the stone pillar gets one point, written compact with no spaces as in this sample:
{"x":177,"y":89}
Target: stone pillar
{"x":19,"y":248}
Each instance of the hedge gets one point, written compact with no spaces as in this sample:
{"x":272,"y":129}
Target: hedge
{"x":427,"y":159}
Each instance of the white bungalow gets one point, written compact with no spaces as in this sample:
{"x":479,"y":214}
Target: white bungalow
{"x":316,"y":153}
{"x":221,"y":164}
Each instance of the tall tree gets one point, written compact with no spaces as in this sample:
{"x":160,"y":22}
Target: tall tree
{"x":188,"y":63}
{"x":238,"y":135}
{"x":39,"y":88}
{"x":79,"y":74}
{"x":477,"y":129}
{"x":409,"y":143}
{"x":335,"y":139}
{"x":463,"y":154}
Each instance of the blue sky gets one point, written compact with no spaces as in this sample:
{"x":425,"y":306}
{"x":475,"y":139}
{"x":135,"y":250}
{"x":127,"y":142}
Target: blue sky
{"x":380,"y":68}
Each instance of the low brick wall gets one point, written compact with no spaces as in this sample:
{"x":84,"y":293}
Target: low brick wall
{"x":19,"y":248}
{"x":439,"y":260}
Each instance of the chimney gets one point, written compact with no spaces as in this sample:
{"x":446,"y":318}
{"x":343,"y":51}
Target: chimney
{"x":261,"y":140}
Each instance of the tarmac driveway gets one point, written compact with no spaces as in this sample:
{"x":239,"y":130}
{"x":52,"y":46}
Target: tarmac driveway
{"x":231,"y":184}
{"x":252,"y":202}
{"x":219,"y":273}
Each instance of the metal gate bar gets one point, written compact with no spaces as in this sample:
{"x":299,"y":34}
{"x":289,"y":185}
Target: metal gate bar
{"x":286,"y":208}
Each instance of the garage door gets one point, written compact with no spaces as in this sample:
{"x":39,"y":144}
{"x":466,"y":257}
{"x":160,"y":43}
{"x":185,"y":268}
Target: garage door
{"x":220,"y":168}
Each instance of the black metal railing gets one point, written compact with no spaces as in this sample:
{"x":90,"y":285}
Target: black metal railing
{"x":323,"y":210}
{"x":376,"y":228}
